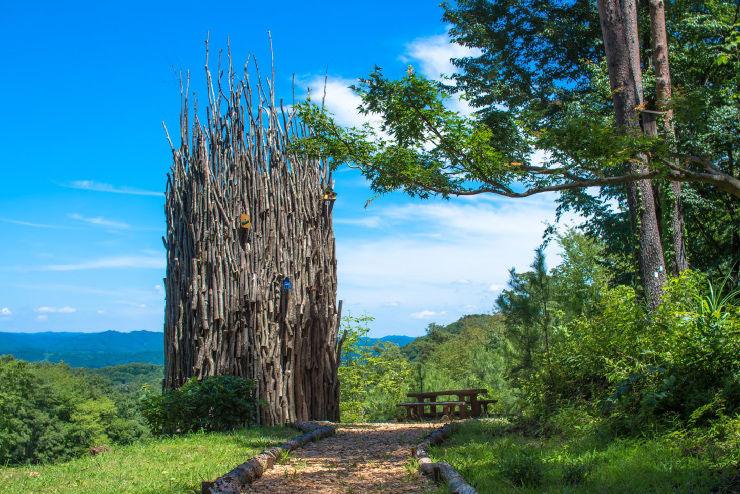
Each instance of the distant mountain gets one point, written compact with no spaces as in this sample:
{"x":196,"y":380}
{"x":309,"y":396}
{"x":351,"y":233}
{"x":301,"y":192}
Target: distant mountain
{"x":399,"y":340}
{"x":105,"y":349}
{"x":86,"y":349}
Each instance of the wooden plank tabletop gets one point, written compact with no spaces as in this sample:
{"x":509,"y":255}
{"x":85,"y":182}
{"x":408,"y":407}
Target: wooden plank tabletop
{"x":435,"y":403}
{"x":459,"y":392}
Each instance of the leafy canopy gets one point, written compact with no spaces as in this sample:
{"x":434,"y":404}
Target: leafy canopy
{"x":539,"y":84}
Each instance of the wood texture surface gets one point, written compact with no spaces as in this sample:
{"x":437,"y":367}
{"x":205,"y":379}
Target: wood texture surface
{"x":226,"y":310}
{"x":441,"y":470}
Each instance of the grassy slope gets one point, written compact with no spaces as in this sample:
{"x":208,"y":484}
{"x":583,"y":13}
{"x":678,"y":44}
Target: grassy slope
{"x":495,"y":460}
{"x":161,"y":466}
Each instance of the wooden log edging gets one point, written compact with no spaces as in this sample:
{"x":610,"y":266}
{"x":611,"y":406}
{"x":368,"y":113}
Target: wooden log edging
{"x":441,"y":470}
{"x":252,"y":469}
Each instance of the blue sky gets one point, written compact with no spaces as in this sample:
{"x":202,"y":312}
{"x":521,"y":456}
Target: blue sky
{"x":85,"y":89}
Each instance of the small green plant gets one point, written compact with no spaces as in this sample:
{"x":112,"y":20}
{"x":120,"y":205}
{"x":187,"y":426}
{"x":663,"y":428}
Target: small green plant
{"x":216,"y":403}
{"x":575,"y":472}
{"x":283,"y":457}
{"x":523,"y":468}
{"x":411,"y":466}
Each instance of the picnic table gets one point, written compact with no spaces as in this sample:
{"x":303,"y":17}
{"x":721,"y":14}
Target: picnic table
{"x":468,"y":403}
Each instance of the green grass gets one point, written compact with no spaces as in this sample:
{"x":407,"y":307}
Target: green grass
{"x":496,"y":459}
{"x":162,"y":466}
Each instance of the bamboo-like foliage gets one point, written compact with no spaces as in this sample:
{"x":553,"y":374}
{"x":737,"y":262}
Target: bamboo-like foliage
{"x":226,"y":309}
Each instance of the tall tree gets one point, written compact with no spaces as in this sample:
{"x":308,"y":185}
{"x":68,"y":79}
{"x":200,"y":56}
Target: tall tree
{"x":621,"y":44}
{"x":663,"y":92}
{"x":529,"y":315}
{"x":538,"y":84}
{"x":703,"y":114}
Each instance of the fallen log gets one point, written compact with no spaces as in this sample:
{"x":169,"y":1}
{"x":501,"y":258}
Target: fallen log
{"x":441,"y":470}
{"x":252,"y":469}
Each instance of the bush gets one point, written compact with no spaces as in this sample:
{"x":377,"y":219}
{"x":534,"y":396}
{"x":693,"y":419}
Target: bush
{"x":675,"y":367}
{"x":216,"y":403}
{"x":576,"y":472}
{"x":523,"y":467}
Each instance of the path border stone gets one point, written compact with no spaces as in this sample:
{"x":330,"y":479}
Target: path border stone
{"x":441,"y":470}
{"x":234,"y":481}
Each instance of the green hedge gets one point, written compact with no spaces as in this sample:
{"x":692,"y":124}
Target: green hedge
{"x":216,"y":403}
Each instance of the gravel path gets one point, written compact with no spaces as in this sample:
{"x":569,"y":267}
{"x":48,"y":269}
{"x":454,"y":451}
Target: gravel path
{"x":359,"y":459}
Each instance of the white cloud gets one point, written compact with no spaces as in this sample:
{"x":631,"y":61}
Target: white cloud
{"x":5,"y":312}
{"x":141,"y":262}
{"x":367,"y":222}
{"x":340,"y":99}
{"x":433,"y":53}
{"x":159,"y":289}
{"x":42,"y":318}
{"x":439,"y":256}
{"x":35,"y":225}
{"x":99,"y":311}
{"x":100,"y":221}
{"x":342,"y":102}
{"x":103,"y":187}
{"x":61,"y":310}
{"x":426,"y":314}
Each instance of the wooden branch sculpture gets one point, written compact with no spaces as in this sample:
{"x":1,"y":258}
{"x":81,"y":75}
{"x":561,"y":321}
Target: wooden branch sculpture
{"x":243,"y":215}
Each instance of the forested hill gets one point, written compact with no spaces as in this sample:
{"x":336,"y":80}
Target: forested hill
{"x":86,"y":349}
{"x":399,"y":340}
{"x":102,"y":349}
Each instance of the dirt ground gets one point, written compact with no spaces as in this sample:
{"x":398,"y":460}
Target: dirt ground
{"x":359,"y":459}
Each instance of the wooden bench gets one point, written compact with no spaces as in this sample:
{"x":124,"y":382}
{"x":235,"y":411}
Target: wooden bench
{"x":416,"y":409}
{"x":471,"y":406}
{"x":484,"y":405}
{"x":468,"y":404}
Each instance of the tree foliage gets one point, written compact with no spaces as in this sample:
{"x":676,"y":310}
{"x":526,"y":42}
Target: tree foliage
{"x":372,"y":378}
{"x":532,"y":92}
{"x":612,"y":359}
{"x":48,"y":412}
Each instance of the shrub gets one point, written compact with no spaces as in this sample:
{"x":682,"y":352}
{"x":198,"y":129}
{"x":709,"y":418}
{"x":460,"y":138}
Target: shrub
{"x":576,"y":472}
{"x":523,"y":467}
{"x":670,"y":368}
{"x":216,"y":403}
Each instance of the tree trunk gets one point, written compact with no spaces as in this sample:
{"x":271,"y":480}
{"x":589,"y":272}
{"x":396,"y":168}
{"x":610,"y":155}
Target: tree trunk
{"x":244,"y":215}
{"x":663,"y":90}
{"x":619,"y":28}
